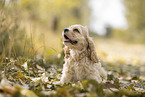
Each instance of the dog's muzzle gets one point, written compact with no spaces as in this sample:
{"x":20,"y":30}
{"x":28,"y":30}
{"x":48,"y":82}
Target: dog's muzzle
{"x":66,"y":39}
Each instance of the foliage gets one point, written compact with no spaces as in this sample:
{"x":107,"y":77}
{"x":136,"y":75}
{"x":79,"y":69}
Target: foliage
{"x":135,"y":17}
{"x":36,"y":23}
{"x":53,"y":13}
{"x":40,"y":77}
{"x":12,"y":36}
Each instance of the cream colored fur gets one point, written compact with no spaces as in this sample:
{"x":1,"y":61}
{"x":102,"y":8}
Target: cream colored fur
{"x":81,"y":61}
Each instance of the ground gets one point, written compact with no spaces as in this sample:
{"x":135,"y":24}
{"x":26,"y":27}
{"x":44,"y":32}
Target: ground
{"x":40,"y":76}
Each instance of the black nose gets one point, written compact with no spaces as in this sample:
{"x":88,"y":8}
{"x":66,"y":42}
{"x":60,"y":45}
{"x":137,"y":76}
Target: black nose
{"x":66,"y":30}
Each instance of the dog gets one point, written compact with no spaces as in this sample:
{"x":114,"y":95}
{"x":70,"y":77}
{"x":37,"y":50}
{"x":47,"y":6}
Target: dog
{"x":81,"y":61}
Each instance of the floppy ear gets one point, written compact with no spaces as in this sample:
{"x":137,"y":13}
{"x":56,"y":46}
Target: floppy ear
{"x":91,"y":50}
{"x":66,"y":51}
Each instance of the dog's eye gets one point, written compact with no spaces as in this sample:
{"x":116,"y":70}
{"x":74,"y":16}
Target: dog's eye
{"x":76,"y":30}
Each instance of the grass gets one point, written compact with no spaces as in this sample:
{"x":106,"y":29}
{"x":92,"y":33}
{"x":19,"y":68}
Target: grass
{"x":45,"y":41}
{"x":113,"y":50}
{"x":40,"y":76}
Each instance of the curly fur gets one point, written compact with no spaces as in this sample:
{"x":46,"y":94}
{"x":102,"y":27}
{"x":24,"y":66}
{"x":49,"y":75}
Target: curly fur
{"x":81,"y":61}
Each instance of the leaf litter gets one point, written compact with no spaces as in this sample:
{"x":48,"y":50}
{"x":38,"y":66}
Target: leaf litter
{"x":38,"y":77}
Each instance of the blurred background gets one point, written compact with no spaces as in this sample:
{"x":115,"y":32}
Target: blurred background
{"x":33,"y":27}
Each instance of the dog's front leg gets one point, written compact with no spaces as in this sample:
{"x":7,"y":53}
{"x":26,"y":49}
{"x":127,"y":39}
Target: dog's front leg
{"x":67,"y":73}
{"x":66,"y":77}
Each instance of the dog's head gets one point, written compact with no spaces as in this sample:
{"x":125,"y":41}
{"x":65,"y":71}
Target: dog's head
{"x":76,"y":36}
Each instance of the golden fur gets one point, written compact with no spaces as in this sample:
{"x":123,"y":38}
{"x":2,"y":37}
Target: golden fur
{"x":81,"y":61}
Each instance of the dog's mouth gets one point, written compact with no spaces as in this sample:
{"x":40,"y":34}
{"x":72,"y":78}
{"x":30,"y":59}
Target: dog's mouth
{"x":66,"y":39}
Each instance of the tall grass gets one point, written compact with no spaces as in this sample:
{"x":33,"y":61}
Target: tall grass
{"x":13,"y":40}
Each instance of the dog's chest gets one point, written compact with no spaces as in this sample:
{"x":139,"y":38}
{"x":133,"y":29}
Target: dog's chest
{"x":78,"y":62}
{"x":79,"y":68}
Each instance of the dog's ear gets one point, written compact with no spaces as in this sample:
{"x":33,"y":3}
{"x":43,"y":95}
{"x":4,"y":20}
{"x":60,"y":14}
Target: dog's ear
{"x":91,"y":50}
{"x":66,"y":51}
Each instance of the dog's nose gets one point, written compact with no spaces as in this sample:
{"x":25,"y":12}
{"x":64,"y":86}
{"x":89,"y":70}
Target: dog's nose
{"x":66,"y":30}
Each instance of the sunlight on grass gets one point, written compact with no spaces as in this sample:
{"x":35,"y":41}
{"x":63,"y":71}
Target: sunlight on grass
{"x":45,"y":41}
{"x":117,"y":51}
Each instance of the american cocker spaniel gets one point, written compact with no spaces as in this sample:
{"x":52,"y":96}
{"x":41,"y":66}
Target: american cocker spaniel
{"x":81,"y":61}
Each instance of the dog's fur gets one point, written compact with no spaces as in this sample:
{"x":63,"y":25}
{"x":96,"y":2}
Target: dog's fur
{"x":81,"y":61}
